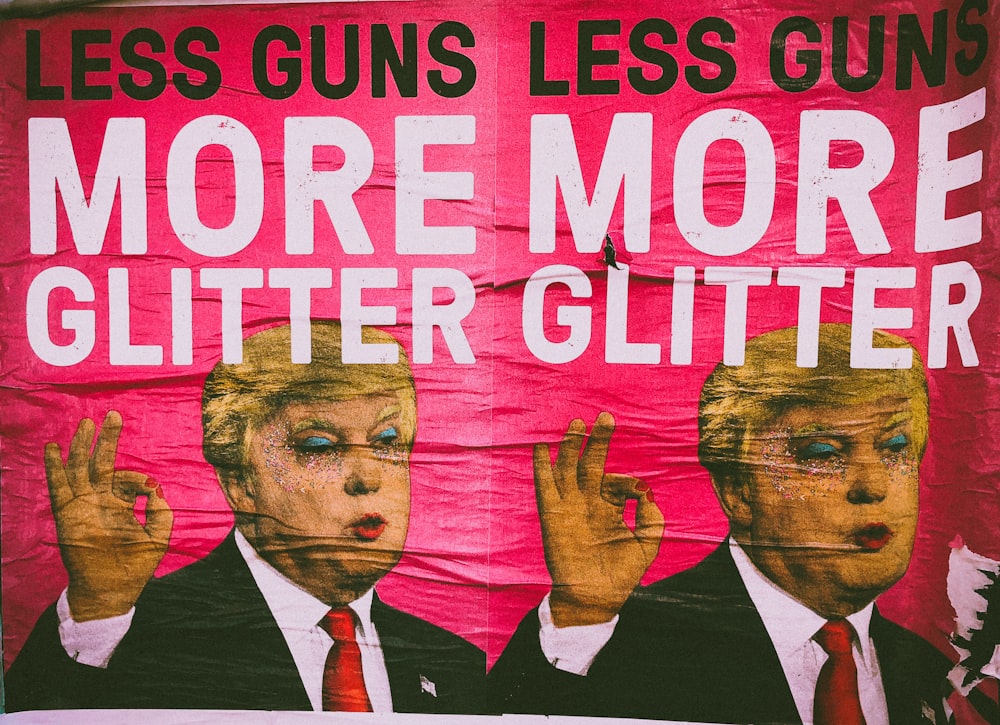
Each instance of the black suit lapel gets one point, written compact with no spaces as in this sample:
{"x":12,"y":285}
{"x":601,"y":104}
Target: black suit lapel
{"x":913,"y":672}
{"x":208,"y":634}
{"x":430,"y":669}
{"x":746,"y":656}
{"x":886,"y":648}
{"x":413,"y":690}
{"x":700,"y":650}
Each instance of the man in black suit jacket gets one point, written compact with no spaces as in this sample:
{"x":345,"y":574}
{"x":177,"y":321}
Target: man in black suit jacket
{"x":817,"y":471}
{"x":314,"y":460}
{"x":692,"y":647}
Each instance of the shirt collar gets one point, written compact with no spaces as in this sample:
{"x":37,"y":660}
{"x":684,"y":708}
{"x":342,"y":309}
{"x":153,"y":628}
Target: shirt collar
{"x":293,"y":608}
{"x":789,"y":623}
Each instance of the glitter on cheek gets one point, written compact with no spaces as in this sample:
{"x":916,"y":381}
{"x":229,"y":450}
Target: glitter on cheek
{"x":396,"y":453}
{"x":778,"y":462}
{"x":277,"y":462}
{"x":795,"y":479}
{"x":900,"y":464}
{"x":295,"y":471}
{"x":826,"y":476}
{"x":322,"y":469}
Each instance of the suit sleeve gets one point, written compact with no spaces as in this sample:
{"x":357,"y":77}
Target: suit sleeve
{"x":44,"y":677}
{"x":523,"y":681}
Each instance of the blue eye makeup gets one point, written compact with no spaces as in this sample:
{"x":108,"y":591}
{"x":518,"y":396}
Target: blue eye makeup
{"x":315,"y":444}
{"x":896,"y":443}
{"x":817,"y":450}
{"x":389,"y":435}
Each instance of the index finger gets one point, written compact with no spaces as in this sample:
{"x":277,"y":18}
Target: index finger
{"x":60,"y":492}
{"x":568,"y":458}
{"x":102,"y":463}
{"x":590,"y":471}
{"x":546,"y":493}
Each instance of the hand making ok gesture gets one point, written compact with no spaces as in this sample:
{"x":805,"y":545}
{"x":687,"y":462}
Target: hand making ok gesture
{"x":594,"y":558}
{"x":107,"y":552}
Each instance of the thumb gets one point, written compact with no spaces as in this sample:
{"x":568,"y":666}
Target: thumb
{"x":649,"y":525}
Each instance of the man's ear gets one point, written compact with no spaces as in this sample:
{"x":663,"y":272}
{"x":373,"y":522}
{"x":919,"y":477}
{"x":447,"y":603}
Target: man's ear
{"x":733,"y":492}
{"x":238,"y":491}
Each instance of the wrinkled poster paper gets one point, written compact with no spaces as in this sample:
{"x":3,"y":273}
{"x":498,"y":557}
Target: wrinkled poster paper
{"x":552,"y":212}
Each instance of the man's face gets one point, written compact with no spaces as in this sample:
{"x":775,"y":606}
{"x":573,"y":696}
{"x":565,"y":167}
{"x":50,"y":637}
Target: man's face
{"x":832,"y":497}
{"x":326,"y":493}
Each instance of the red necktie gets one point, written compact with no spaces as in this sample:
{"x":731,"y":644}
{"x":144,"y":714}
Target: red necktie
{"x":837,"y":700}
{"x":343,"y":681}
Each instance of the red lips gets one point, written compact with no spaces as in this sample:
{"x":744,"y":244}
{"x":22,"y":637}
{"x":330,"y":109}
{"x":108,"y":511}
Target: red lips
{"x":873,"y":536}
{"x":369,"y":527}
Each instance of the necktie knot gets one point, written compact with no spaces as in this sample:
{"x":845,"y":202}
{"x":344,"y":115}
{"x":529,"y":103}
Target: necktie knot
{"x":340,"y":624}
{"x":836,"y":637}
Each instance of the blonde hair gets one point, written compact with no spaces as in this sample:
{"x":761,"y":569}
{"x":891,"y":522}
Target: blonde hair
{"x":737,"y":402}
{"x":239,"y":396}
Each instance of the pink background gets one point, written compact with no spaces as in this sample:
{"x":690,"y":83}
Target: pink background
{"x":474,"y":561}
{"x":656,"y":406}
{"x":447,"y":545}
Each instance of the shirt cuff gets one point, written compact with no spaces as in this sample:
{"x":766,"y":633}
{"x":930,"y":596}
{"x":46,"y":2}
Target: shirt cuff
{"x":572,"y":649}
{"x":92,"y":642}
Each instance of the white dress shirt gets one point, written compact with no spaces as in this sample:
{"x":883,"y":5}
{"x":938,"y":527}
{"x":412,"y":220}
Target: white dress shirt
{"x":789,"y":623}
{"x":296,"y":612}
{"x":791,"y":626}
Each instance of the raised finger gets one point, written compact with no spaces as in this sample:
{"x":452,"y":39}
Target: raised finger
{"x":568,"y":457}
{"x":590,"y":471}
{"x":546,"y":495}
{"x":60,"y":493}
{"x":102,"y":463}
{"x":78,"y":459}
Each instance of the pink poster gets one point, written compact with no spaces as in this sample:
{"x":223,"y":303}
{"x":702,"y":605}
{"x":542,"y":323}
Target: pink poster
{"x":502,"y":358}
